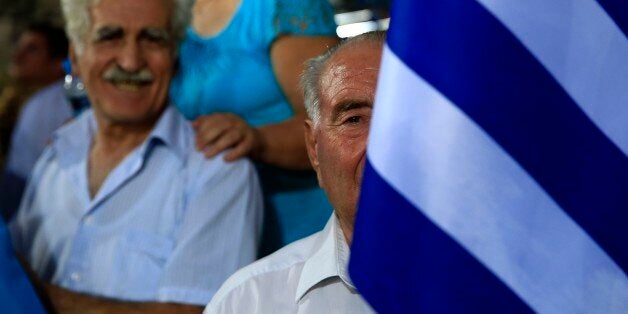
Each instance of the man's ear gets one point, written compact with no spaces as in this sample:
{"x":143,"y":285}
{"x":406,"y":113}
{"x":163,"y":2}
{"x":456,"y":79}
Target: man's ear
{"x":72,"y":54}
{"x":310,"y":144}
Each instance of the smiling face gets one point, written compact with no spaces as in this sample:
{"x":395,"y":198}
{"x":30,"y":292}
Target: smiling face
{"x":337,"y":144}
{"x":128,"y":60}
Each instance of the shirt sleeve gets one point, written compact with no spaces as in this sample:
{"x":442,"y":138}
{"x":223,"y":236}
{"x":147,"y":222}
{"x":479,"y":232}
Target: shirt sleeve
{"x":219,"y":232}
{"x":237,"y":300}
{"x":17,"y":225}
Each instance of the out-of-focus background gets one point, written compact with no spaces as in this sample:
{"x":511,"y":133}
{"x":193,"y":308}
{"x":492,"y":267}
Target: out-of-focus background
{"x":17,"y":14}
{"x":352,"y":16}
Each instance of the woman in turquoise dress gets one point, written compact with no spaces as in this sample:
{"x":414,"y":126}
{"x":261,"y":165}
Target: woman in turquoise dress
{"x":238,"y":81}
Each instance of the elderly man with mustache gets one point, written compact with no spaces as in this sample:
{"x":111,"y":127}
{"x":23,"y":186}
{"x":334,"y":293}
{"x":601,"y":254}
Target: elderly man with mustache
{"x":122,"y":214}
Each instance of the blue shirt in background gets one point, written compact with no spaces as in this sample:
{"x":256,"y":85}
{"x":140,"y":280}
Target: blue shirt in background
{"x":41,"y":115}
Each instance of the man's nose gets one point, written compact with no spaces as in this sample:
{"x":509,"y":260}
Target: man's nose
{"x":131,"y":57}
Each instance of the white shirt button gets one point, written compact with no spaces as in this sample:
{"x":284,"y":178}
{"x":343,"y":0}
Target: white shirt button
{"x":89,"y":220}
{"x":75,"y":276}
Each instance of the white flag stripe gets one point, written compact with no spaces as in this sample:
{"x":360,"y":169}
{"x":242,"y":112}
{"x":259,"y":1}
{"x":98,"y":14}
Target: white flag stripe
{"x":468,"y":186}
{"x":584,"y":50}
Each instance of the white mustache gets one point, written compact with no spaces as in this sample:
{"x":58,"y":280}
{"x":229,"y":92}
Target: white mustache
{"x":115,"y":74}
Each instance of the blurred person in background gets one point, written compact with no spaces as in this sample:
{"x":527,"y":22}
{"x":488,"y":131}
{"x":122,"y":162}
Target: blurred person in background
{"x":35,"y":62}
{"x":238,"y":81}
{"x":122,"y":214}
{"x":30,"y":125}
{"x":42,"y":114}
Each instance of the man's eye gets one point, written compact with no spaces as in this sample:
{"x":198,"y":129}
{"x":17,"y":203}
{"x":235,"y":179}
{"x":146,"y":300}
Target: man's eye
{"x":353,"y":120}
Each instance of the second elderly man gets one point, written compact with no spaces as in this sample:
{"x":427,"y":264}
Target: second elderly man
{"x":310,"y":275}
{"x":122,"y":213}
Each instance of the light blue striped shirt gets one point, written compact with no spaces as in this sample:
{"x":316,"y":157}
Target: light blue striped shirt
{"x":166,"y":225}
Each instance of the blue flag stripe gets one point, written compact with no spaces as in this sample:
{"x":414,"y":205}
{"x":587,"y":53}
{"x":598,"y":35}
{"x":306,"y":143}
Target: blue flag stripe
{"x":467,"y":185}
{"x":16,"y":292}
{"x":583,"y":49}
{"x":448,"y":278}
{"x":524,"y":123}
{"x":618,"y":9}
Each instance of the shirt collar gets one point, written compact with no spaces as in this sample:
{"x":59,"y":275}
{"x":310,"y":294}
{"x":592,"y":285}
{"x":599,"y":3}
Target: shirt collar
{"x":172,"y":130}
{"x":72,"y":141}
{"x":330,"y":259}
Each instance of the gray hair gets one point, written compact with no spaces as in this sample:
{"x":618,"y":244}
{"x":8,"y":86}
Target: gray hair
{"x":310,"y":79}
{"x":78,"y":21}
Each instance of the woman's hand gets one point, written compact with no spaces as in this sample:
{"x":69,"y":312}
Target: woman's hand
{"x":280,"y":144}
{"x":220,"y":131}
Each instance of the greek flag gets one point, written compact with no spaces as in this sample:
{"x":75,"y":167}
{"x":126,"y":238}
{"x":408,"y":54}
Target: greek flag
{"x":497,"y":163}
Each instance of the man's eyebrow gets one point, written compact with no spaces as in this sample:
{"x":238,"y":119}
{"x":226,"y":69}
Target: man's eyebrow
{"x":156,"y":33}
{"x":347,"y":106}
{"x":107,"y":31}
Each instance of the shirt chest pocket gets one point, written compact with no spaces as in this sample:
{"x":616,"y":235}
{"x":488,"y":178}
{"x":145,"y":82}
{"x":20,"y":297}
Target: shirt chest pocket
{"x":144,"y":256}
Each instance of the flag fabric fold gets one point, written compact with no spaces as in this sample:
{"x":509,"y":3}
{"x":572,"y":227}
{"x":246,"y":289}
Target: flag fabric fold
{"x":497,"y":165}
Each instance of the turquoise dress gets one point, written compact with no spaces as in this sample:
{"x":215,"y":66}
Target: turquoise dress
{"x":232,"y":72}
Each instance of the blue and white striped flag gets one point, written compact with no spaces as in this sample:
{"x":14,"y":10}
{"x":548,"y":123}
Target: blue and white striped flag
{"x":497,"y":168}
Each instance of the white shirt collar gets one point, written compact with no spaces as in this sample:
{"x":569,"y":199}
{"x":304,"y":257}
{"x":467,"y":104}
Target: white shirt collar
{"x":330,"y":259}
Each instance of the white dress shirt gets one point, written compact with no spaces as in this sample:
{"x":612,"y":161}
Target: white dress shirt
{"x":166,"y":225}
{"x":307,"y":276}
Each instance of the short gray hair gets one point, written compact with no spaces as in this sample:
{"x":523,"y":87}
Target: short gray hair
{"x":310,"y":79}
{"x":78,"y":20}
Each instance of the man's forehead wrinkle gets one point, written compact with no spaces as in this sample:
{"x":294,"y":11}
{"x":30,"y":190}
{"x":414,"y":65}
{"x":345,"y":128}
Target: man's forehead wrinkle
{"x":342,"y":72}
{"x":343,"y":80}
{"x":107,"y":28}
{"x":360,"y":76}
{"x":100,"y":19}
{"x":348,"y":81}
{"x":102,"y":26}
{"x":156,"y":29}
{"x":342,"y":90}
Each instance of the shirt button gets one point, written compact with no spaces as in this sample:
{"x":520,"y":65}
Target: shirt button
{"x":75,"y":276}
{"x":89,"y":220}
